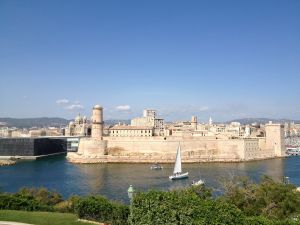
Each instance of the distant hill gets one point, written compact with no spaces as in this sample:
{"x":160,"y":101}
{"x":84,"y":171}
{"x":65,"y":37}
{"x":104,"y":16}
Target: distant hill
{"x":34,"y":122}
{"x":45,"y":122}
{"x":114,"y":122}
{"x":262,"y":120}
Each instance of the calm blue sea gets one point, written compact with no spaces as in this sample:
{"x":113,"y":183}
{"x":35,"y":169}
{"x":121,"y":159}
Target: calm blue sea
{"x":113,"y":180}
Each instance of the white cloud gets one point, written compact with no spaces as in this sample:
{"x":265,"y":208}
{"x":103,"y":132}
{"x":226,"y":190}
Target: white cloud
{"x":124,"y":108}
{"x":62,"y":101}
{"x":74,"y":107}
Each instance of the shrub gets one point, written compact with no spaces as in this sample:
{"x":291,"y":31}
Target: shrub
{"x":182,"y":207}
{"x":270,"y":199}
{"x":17,"y":202}
{"x":67,"y":205}
{"x":42,"y":195}
{"x":120,"y":214}
{"x":100,"y":209}
{"x":30,"y":199}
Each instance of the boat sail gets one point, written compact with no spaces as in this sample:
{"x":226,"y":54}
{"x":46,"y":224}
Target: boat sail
{"x":177,"y":167}
{"x":177,"y":172}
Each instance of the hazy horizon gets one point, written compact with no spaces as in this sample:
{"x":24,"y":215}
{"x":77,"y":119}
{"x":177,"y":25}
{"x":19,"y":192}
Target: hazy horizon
{"x":225,"y":59}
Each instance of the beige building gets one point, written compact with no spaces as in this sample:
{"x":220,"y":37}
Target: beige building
{"x":130,"y":131}
{"x":37,"y":133}
{"x":32,"y":132}
{"x":5,"y":132}
{"x":291,"y":129}
{"x":150,"y":119}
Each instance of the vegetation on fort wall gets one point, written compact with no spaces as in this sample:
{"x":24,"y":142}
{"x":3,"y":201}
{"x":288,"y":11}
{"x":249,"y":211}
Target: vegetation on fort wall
{"x":243,"y":202}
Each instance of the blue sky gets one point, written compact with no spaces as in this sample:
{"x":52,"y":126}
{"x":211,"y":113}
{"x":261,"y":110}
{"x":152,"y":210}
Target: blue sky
{"x":227,"y":59}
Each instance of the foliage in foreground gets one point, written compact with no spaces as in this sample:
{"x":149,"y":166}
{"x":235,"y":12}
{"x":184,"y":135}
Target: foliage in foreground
{"x":190,"y":206}
{"x":30,"y":200}
{"x":37,"y":199}
{"x":182,"y":207}
{"x":270,"y":199}
{"x":100,"y":209}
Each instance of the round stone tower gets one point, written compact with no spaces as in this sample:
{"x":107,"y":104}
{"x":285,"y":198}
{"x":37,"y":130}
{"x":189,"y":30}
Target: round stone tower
{"x":97,"y":122}
{"x":194,"y":122}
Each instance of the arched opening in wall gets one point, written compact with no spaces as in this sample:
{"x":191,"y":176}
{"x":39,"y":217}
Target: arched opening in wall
{"x":89,"y":132}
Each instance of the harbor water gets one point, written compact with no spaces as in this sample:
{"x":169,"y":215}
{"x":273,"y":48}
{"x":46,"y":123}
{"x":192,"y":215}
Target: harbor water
{"x":113,"y":180}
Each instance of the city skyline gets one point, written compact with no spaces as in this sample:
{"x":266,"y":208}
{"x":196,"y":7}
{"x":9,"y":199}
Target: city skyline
{"x":227,"y":60}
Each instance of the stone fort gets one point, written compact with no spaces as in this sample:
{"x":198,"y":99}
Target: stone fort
{"x":139,"y":145}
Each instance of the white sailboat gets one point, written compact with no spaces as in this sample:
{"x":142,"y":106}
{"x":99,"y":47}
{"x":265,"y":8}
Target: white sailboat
{"x":177,"y":173}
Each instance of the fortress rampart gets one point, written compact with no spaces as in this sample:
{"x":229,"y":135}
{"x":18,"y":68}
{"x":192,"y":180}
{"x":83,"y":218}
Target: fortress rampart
{"x":157,"y":149}
{"x":149,"y":149}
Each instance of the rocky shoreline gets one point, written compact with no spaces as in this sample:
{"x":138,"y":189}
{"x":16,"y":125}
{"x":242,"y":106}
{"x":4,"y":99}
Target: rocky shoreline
{"x":7,"y":162}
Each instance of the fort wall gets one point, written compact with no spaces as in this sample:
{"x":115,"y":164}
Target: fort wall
{"x":163,"y":150}
{"x":92,"y":147}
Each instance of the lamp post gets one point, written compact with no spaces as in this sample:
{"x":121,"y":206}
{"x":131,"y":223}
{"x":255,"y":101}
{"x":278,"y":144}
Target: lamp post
{"x":130,"y":192}
{"x":287,"y":180}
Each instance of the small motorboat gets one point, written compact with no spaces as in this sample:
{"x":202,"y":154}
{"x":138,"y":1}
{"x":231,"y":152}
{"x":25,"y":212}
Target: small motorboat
{"x":197,"y":183}
{"x":156,"y":167}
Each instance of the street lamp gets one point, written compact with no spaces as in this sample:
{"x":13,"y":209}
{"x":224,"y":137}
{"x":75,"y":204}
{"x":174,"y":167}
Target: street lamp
{"x":130,"y":192}
{"x":287,"y":181}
